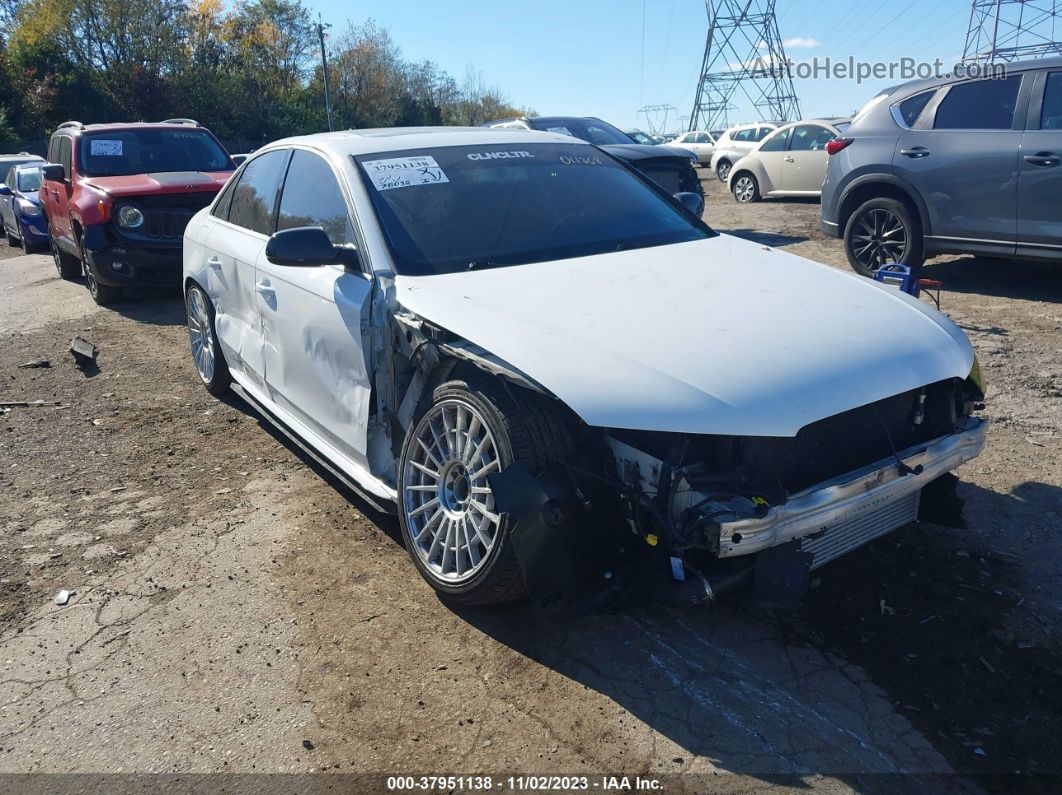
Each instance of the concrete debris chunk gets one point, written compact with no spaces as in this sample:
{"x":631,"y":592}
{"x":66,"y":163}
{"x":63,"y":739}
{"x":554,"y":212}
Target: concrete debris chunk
{"x":84,"y":351}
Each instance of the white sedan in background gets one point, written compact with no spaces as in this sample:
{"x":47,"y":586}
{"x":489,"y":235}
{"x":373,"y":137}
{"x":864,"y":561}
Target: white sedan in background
{"x":735,"y":143}
{"x":791,"y":161}
{"x":700,"y":142}
{"x":556,"y":374}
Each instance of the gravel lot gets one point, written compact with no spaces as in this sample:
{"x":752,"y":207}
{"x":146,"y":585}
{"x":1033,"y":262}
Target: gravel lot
{"x":235,"y":610}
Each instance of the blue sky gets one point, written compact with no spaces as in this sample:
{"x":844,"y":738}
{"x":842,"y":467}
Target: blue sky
{"x":586,"y":57}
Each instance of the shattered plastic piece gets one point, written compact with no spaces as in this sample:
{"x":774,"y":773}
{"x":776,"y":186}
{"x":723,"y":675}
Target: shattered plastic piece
{"x":62,"y":597}
{"x":84,"y":351}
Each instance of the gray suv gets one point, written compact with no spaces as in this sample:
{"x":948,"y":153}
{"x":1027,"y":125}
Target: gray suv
{"x":951,"y":165}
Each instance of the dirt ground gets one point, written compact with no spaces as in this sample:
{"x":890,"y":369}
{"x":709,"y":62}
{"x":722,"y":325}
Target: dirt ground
{"x":234,"y":610}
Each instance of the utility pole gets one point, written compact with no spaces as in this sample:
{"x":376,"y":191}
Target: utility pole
{"x":1010,"y":30}
{"x":743,"y":51}
{"x":324,"y":68}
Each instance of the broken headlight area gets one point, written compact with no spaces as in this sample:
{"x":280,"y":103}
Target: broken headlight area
{"x":688,"y":516}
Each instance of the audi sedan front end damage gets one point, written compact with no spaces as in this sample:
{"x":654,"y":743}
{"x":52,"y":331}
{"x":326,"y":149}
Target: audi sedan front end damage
{"x":564,"y":383}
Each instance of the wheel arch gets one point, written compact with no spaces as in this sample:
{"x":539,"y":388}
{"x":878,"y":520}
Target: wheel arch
{"x":880,"y":186}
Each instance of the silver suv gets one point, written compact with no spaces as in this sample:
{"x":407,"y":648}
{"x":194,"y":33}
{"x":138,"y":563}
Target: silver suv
{"x":950,"y":165}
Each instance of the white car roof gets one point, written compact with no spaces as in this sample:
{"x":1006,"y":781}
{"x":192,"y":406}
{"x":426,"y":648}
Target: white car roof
{"x":390,"y":139}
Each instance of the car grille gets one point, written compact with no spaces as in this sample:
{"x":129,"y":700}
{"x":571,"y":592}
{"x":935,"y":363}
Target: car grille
{"x":861,"y":529}
{"x":667,"y":177}
{"x":166,"y":223}
{"x":852,"y":439}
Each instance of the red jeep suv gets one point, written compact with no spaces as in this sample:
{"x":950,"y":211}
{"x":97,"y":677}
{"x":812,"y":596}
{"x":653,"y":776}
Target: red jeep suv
{"x":118,"y":196}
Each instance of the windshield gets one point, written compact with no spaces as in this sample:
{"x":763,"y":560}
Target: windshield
{"x":639,"y":137}
{"x":120,"y":153}
{"x":592,"y":131}
{"x":457,"y":208}
{"x":29,"y":179}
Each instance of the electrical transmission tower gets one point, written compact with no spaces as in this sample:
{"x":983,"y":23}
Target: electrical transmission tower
{"x":652,"y":115}
{"x":1010,"y":30}
{"x":743,"y":52}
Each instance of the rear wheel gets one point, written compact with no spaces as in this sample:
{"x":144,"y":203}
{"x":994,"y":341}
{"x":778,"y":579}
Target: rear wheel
{"x":206,"y":352}
{"x":883,"y":232}
{"x":467,"y":430}
{"x":745,"y":188}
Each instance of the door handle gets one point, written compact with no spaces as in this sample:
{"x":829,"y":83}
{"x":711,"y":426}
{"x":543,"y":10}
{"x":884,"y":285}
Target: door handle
{"x":214,"y":262}
{"x":915,"y":153}
{"x":263,"y":288}
{"x":789,"y":159}
{"x":1046,"y":159}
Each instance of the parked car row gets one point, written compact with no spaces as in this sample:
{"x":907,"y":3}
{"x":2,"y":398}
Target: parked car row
{"x":496,"y":333}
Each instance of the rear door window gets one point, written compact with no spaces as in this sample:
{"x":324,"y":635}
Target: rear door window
{"x":743,"y":135}
{"x":254,"y":199}
{"x":810,"y":138}
{"x":979,"y":105}
{"x":1051,"y":114}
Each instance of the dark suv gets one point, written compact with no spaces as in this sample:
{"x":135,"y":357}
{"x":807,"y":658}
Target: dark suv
{"x":118,"y":196}
{"x":952,"y":165}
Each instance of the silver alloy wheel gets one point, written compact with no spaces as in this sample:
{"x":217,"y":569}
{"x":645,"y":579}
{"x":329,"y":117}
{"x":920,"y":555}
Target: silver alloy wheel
{"x":879,"y":238}
{"x":199,"y":335}
{"x":448,"y":505}
{"x":744,"y":189}
{"x":723,"y":171}
{"x":90,"y":280}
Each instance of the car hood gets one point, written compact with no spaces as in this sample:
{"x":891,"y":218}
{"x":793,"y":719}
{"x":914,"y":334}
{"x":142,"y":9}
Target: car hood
{"x":635,"y":153}
{"x":162,"y":183}
{"x":717,"y":336}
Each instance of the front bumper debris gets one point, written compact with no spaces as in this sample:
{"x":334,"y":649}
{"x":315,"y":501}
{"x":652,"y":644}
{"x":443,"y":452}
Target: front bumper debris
{"x":880,"y":493}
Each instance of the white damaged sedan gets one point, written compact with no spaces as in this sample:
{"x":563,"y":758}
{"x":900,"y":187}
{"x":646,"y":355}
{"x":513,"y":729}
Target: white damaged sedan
{"x":563,"y":382}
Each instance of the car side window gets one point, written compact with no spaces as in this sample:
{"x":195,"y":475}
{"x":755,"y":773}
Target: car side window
{"x":1051,"y":113}
{"x":810,"y":138}
{"x":979,"y":105}
{"x":9,"y":178}
{"x":64,"y":154}
{"x":254,"y":199}
{"x":912,"y":107}
{"x":743,"y":135}
{"x":775,"y":143}
{"x":312,"y":197}
{"x":221,"y":207}
{"x":53,"y":149}
{"x":763,"y":133}
{"x":700,"y":138}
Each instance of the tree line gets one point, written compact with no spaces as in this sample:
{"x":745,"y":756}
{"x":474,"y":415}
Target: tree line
{"x":251,"y":72}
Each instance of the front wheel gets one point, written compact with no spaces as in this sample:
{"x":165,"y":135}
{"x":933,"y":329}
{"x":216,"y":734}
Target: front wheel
{"x":746,"y":189}
{"x":206,"y":352}
{"x":722,"y":170}
{"x":883,"y":232}
{"x":102,"y":294}
{"x":67,"y":266}
{"x":467,"y":430}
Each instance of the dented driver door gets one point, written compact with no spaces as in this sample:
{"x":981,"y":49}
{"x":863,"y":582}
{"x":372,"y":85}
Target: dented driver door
{"x":315,"y":319}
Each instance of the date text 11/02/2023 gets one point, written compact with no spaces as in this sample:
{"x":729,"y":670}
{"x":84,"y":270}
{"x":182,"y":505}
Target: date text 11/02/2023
{"x":523,"y":783}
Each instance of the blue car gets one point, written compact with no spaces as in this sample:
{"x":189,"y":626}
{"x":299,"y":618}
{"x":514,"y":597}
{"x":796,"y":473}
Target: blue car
{"x":20,"y":207}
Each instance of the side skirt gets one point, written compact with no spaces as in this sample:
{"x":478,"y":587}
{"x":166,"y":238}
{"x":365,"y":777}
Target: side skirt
{"x":383,"y":506}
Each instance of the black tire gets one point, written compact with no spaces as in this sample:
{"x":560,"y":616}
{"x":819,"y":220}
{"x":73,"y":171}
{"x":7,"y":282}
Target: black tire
{"x":220,"y":378}
{"x":722,"y":170}
{"x":737,"y":187}
{"x":527,"y":428}
{"x":67,"y":266}
{"x":14,"y":241}
{"x":869,"y":241}
{"x":102,"y":294}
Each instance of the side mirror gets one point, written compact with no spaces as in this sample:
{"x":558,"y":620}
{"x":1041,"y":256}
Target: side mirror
{"x":307,"y":246}
{"x":693,"y":203}
{"x":5,"y":190}
{"x":53,"y":172}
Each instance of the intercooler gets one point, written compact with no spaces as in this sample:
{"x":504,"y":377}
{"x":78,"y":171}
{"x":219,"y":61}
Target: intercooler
{"x":861,"y":529}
